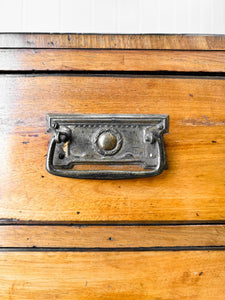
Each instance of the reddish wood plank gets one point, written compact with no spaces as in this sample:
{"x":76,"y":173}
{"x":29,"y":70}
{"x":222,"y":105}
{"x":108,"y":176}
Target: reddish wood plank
{"x":111,"y":60}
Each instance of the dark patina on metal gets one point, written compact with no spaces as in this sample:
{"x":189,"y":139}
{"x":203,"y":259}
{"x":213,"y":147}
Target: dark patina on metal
{"x":113,"y":141}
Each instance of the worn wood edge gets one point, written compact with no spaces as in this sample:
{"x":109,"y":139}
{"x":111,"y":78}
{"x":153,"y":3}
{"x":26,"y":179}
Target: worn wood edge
{"x":115,"y":275}
{"x":112,"y":237}
{"x":126,"y":222}
{"x":112,"y":41}
{"x":111,"y":60}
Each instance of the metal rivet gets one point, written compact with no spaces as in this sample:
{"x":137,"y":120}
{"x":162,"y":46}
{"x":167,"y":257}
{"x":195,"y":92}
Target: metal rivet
{"x":107,"y":141}
{"x":150,"y":138}
{"x":63,"y":137}
{"x":61,"y":155}
{"x":55,"y":125}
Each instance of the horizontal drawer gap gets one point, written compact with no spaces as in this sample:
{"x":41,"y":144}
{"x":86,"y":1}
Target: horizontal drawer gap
{"x":133,"y":74}
{"x":138,"y":249}
{"x":19,"y":222}
{"x":15,"y":222}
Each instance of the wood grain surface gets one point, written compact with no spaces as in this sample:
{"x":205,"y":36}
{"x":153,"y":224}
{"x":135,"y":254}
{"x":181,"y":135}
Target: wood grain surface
{"x":71,"y":261}
{"x":192,"y":189}
{"x":112,"y":237}
{"x":113,"y":41}
{"x":111,"y":60}
{"x":113,"y":275}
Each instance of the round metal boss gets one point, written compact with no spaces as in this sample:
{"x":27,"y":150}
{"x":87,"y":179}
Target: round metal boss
{"x":108,"y":141}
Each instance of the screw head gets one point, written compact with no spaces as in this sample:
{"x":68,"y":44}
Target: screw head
{"x":150,"y":138}
{"x":63,"y":137}
{"x":55,"y":125}
{"x":61,"y":155}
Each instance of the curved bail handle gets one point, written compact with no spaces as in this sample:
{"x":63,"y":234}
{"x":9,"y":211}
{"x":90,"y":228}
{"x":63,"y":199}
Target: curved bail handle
{"x":107,"y":174}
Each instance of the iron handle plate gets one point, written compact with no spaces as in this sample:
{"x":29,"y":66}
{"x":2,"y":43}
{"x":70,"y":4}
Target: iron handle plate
{"x":106,"y":146}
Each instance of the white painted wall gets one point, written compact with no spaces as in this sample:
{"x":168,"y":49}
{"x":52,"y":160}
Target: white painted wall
{"x":113,"y":16}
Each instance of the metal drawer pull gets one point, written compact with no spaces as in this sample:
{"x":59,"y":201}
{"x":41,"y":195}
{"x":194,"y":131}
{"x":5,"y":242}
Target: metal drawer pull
{"x":106,"y":146}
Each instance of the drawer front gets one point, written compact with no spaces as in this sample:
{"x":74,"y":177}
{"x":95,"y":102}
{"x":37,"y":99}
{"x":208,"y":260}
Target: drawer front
{"x":192,"y":189}
{"x":113,"y":275}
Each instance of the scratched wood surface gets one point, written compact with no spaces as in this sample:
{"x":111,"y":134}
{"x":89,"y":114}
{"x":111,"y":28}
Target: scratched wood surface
{"x":111,"y":60}
{"x":113,"y":41}
{"x":113,"y":275}
{"x":111,"y":237}
{"x":192,"y":189}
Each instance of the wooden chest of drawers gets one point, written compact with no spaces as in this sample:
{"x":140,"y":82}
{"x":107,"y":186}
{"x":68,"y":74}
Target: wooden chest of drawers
{"x":148,"y":238}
